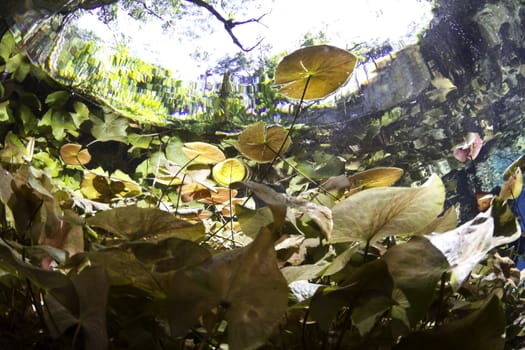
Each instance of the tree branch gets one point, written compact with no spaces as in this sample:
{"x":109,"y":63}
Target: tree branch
{"x":229,"y":24}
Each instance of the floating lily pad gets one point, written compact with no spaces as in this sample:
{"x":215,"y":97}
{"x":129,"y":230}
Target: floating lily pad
{"x":73,"y":154}
{"x":102,"y":188}
{"x":229,"y":171}
{"x":320,"y":70}
{"x":203,"y":153}
{"x":261,"y":143}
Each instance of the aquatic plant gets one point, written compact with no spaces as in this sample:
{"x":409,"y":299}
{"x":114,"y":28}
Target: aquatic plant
{"x":123,"y":235}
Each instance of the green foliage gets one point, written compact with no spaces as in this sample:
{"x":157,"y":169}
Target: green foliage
{"x":138,"y":245}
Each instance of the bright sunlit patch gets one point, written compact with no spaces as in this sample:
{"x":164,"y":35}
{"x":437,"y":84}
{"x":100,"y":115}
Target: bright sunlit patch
{"x":345,"y":24}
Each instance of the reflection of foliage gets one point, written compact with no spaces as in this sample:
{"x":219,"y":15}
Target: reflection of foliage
{"x":149,"y":93}
{"x":143,"y":247}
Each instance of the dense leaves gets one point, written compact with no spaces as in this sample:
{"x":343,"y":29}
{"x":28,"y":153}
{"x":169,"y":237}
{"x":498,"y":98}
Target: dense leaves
{"x":119,"y":235}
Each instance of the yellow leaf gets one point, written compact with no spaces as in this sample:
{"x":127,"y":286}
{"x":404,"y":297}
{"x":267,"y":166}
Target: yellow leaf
{"x":203,"y":153}
{"x":229,"y":171}
{"x":320,"y":70}
{"x":102,"y":188}
{"x":375,"y":177}
{"x":261,"y":143}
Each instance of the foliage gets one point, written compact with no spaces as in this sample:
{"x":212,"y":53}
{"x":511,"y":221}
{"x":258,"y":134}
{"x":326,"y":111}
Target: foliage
{"x":114,"y":235}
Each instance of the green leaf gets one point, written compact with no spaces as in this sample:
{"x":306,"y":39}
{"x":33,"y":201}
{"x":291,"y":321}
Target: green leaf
{"x":141,"y":141}
{"x":244,"y":283}
{"x":81,"y":113}
{"x":5,"y":112}
{"x":367,"y":292}
{"x":323,"y":166}
{"x":416,"y":267}
{"x":28,"y":118}
{"x":59,"y":121}
{"x":125,"y":270}
{"x":252,"y":221}
{"x":483,"y":329}
{"x":135,"y":223}
{"x":18,"y":66}
{"x":112,"y":128}
{"x":85,"y":307}
{"x":57,"y":99}
{"x":45,"y":279}
{"x":7,"y":46}
{"x":305,"y":272}
{"x":375,"y":213}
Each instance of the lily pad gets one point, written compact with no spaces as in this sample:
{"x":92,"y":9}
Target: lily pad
{"x":314,"y":72}
{"x":73,"y":154}
{"x":261,"y":144}
{"x":229,"y":171}
{"x":102,"y":188}
{"x":203,"y":153}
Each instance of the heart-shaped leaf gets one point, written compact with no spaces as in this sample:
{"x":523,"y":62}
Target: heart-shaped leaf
{"x":261,"y":143}
{"x":416,"y":267}
{"x":245,"y":283}
{"x":136,"y":223}
{"x":320,"y":70}
{"x":376,"y":213}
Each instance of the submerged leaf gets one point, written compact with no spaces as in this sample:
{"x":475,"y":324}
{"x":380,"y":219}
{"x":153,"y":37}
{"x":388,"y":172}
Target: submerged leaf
{"x":279,"y":202}
{"x":112,"y":128}
{"x":87,"y":308}
{"x":320,"y":70}
{"x":483,"y":329}
{"x":468,"y":244}
{"x":134,"y":223}
{"x":416,"y":267}
{"x":376,"y":213}
{"x":245,"y":283}
{"x":367,"y":293}
{"x":102,"y":188}
{"x":375,"y":177}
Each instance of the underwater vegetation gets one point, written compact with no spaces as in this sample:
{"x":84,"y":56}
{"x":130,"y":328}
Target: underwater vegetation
{"x":120,"y":234}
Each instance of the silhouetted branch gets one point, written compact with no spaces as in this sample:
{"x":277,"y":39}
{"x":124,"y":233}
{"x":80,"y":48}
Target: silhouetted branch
{"x":229,"y":24}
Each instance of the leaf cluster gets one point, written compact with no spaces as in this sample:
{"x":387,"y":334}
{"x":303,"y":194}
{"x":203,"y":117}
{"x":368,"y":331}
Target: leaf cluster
{"x":175,"y":240}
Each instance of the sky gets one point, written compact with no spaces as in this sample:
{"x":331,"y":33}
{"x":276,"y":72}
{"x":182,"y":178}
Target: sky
{"x":345,"y":22}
